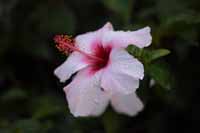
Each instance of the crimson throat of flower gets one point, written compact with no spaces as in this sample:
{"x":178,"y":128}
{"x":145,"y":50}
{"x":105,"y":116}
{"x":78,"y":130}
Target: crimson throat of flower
{"x":66,"y":45}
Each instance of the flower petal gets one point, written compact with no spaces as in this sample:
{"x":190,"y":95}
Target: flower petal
{"x":123,"y":72}
{"x":140,"y":38}
{"x":126,"y":104}
{"x":119,"y":83}
{"x":87,"y":40}
{"x":73,"y":63}
{"x":122,"y":62}
{"x":84,"y":95}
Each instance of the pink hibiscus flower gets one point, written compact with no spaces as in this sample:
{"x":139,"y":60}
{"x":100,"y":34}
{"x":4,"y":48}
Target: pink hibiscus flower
{"x":106,"y":72}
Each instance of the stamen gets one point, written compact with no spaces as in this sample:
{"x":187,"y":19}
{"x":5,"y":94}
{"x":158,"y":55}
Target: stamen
{"x":66,"y":45}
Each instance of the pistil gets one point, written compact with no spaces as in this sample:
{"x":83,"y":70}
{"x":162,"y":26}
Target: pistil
{"x":66,"y":45}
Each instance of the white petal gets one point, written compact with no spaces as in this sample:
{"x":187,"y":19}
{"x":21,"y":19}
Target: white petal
{"x":140,"y":38}
{"x":122,"y":62}
{"x":123,"y":73}
{"x":84,"y":95}
{"x":73,"y":63}
{"x":119,"y":83}
{"x":87,"y":40}
{"x":127,"y":104}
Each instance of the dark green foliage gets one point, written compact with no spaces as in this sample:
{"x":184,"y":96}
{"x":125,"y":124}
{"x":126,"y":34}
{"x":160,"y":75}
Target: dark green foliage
{"x":160,"y":73}
{"x":31,"y":97}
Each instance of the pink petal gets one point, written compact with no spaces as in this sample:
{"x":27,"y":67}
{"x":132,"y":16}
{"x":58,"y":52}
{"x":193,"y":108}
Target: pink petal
{"x":84,"y":95}
{"x":73,"y":63}
{"x":123,"y":72}
{"x":126,"y":104}
{"x":140,"y":38}
{"x":87,"y":40}
{"x":122,"y":62}
{"x":114,"y":82}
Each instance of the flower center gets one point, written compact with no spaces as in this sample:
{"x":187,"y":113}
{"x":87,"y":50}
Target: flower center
{"x":66,"y":45}
{"x":98,"y":60}
{"x":100,"y":52}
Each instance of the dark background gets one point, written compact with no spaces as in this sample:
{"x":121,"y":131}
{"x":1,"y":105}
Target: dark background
{"x":31,"y":97}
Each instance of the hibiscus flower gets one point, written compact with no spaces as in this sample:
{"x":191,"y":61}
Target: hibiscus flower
{"x":106,"y":72}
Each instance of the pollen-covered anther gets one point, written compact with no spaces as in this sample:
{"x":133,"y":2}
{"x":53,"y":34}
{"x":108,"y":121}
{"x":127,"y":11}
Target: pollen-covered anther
{"x":64,"y":43}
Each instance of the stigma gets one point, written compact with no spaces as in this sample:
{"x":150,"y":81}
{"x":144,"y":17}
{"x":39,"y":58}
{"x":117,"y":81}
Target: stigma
{"x":66,"y":45}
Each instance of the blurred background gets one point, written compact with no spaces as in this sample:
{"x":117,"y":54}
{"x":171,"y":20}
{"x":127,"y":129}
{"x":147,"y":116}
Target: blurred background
{"x":31,"y":97}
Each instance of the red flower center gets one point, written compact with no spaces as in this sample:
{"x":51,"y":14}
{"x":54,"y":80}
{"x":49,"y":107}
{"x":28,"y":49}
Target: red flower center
{"x":97,"y":60}
{"x":100,"y":52}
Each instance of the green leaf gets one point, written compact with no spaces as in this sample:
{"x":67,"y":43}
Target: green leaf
{"x":146,"y":55}
{"x":161,"y":74}
{"x":155,"y":54}
{"x":135,"y":51}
